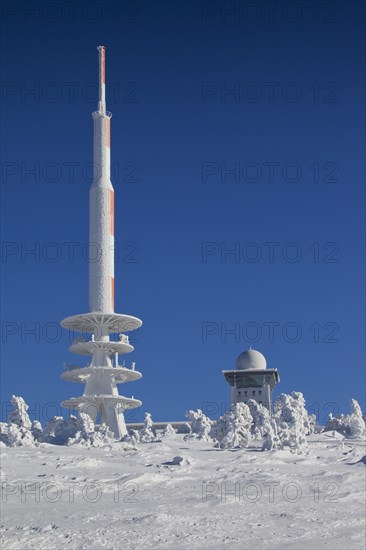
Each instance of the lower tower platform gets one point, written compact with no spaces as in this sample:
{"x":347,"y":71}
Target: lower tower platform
{"x":103,"y":373}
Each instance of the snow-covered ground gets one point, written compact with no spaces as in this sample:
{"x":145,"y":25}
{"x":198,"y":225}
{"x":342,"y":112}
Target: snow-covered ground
{"x":184,"y":494}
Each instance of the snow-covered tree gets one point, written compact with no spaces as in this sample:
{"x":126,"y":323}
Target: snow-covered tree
{"x":271,"y":440}
{"x":233,"y":429}
{"x":201,"y":425}
{"x":263,"y":427}
{"x":18,"y":415}
{"x":3,"y":432}
{"x":19,"y":437}
{"x":168,"y":430}
{"x":90,"y":435}
{"x":350,"y":425}
{"x":292,"y":410}
{"x":83,"y":429}
{"x":313,"y":427}
{"x":356,"y":423}
{"x":18,"y":430}
{"x":147,"y":433}
{"x":261,"y":419}
{"x":185,"y":428}
{"x":292,"y":421}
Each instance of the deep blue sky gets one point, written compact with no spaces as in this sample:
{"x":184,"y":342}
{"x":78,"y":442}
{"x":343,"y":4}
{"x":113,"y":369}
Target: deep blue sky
{"x":168,"y":66}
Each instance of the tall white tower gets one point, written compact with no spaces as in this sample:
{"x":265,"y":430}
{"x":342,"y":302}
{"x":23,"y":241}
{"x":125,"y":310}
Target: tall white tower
{"x":102,"y":373}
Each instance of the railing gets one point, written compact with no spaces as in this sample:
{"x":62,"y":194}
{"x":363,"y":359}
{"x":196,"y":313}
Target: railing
{"x":78,"y":340}
{"x":98,"y":113}
{"x":70,"y":367}
{"x":123,"y":338}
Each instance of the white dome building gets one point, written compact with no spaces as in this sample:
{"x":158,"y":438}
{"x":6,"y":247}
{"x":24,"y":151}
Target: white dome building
{"x":251,"y":359}
{"x":251,"y":379}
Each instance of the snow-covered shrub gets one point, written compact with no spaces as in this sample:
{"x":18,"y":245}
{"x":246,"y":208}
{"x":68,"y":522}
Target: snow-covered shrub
{"x":168,"y":430}
{"x":351,"y":425}
{"x":185,"y":428}
{"x":37,"y":430}
{"x":292,"y":421}
{"x":336,"y":424}
{"x":58,"y":430}
{"x":74,"y":430}
{"x":79,"y":430}
{"x":18,"y":437}
{"x":102,"y":436}
{"x":133,"y":437}
{"x":233,"y":429}
{"x":201,"y":425}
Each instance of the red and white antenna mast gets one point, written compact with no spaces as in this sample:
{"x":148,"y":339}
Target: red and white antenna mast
{"x":101,"y":103}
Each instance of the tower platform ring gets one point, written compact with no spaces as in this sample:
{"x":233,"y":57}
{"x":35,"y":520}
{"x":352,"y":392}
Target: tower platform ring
{"x":87,"y":348}
{"x":90,"y":322}
{"x":124,"y":403}
{"x":120,"y":374}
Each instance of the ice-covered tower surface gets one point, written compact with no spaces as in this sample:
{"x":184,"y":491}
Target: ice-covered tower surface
{"x":101,"y":223}
{"x":101,"y":375}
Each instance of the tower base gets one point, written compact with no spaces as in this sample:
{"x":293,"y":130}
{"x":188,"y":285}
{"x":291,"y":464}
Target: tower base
{"x":110,"y":408}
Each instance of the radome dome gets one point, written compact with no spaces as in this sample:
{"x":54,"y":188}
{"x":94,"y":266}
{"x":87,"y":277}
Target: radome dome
{"x":251,"y":359}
